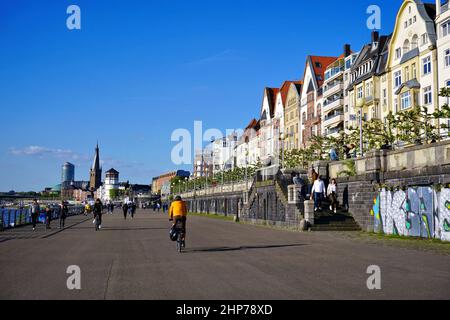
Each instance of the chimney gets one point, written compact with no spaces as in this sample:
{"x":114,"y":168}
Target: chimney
{"x":347,"y":50}
{"x":375,"y":37}
{"x":438,"y":8}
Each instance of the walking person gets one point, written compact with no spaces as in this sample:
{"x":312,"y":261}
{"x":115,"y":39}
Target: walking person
{"x":63,"y":214}
{"x":332,"y":195}
{"x":125,"y":210}
{"x":35,"y":211}
{"x":133,"y":209}
{"x":318,"y":192}
{"x":108,"y":207}
{"x":112,"y":207}
{"x":48,"y":217}
{"x":98,"y":210}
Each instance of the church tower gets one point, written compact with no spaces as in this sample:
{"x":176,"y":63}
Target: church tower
{"x":96,"y":172}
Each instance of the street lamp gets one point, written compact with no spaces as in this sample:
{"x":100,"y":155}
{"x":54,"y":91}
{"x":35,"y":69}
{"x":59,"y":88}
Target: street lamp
{"x":361,"y":143}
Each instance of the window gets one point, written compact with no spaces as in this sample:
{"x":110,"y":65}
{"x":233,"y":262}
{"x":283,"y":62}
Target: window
{"x":384,"y":97}
{"x":414,"y":42}
{"x":405,"y":100}
{"x":424,"y":39}
{"x":414,"y":19}
{"x":414,"y":71}
{"x":427,"y":65}
{"x":447,"y":57}
{"x":398,"y":53}
{"x":407,"y":74}
{"x":369,"y":89}
{"x":446,"y":28}
{"x":427,"y":96}
{"x":398,"y":79}
{"x":360,"y":93}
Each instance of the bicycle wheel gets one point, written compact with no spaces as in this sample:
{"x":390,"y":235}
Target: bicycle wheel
{"x":179,"y":248}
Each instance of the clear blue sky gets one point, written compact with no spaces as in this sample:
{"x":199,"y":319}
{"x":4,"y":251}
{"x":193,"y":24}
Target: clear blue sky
{"x":140,"y":69}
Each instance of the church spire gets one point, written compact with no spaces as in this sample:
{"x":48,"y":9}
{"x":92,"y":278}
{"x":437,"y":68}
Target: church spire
{"x":96,"y":171}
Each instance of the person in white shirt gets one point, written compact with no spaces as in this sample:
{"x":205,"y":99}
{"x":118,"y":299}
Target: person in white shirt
{"x":318,"y":191}
{"x":332,"y":195}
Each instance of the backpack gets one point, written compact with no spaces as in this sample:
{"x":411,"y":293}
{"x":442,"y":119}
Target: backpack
{"x":173,"y":233}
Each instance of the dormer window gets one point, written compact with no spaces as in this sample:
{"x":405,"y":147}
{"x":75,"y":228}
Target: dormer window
{"x":318,"y":65}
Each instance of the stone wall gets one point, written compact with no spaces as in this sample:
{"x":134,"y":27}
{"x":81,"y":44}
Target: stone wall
{"x":427,"y":165}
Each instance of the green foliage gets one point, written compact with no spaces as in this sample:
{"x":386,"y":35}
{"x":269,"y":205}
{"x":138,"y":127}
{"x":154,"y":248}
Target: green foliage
{"x":350,"y":169}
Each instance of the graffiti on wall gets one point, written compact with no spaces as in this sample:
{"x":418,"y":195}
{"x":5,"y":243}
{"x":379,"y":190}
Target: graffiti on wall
{"x":416,"y":212}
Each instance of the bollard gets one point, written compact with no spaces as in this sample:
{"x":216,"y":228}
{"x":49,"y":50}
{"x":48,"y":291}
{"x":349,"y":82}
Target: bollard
{"x":309,"y":212}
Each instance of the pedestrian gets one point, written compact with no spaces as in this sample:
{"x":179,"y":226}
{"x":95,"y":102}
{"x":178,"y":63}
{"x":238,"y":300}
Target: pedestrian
{"x":300,"y":184}
{"x":158,"y":206}
{"x":98,"y":210}
{"x":48,"y":217}
{"x":318,"y":192}
{"x":133,"y":209}
{"x":333,"y":155}
{"x":108,"y":207}
{"x":332,"y":195}
{"x":64,"y":212}
{"x":125,"y":210}
{"x":112,"y":207}
{"x":35,"y":211}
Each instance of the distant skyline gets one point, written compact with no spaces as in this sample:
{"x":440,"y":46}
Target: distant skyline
{"x":138,"y":70}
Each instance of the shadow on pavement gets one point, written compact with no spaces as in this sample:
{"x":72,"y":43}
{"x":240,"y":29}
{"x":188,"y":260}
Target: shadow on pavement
{"x":120,"y":229}
{"x":224,"y":249}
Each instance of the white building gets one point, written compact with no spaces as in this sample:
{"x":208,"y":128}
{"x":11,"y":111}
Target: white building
{"x":111,"y":183}
{"x":443,"y":47}
{"x":266,"y":141}
{"x":247,"y":150}
{"x":333,"y":96}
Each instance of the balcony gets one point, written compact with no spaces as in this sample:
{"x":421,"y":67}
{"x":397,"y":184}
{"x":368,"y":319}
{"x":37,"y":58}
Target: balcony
{"x":334,"y":132}
{"x":333,"y":119}
{"x":333,"y":88}
{"x":333,"y":104}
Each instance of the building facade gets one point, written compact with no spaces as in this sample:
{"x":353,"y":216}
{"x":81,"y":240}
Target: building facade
{"x":311,"y":97}
{"x":412,"y":60}
{"x":333,"y":96}
{"x":443,"y":50}
{"x":67,"y":172}
{"x":368,"y":89}
{"x":292,"y":116}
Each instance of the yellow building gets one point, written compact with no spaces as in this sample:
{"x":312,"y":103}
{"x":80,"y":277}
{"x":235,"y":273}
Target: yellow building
{"x":412,"y":61}
{"x":292,"y":115}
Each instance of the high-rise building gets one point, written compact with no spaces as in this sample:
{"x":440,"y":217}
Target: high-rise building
{"x":96,"y":172}
{"x":68,"y":172}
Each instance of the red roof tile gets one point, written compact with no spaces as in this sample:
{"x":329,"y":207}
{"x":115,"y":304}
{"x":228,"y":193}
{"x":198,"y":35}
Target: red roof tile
{"x":319,"y":65}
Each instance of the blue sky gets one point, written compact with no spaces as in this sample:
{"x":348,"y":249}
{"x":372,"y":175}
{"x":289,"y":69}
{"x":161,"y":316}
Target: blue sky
{"x":137,"y":70}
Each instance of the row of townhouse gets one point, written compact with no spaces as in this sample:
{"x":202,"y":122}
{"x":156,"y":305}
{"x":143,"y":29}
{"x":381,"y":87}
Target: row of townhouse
{"x":391,"y":73}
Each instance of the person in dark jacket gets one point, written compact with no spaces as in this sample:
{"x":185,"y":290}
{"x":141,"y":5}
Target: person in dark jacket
{"x":133,"y":209}
{"x":63,"y":214}
{"x":48,"y":217}
{"x":98,"y":210}
{"x":125,"y":210}
{"x":35,"y":211}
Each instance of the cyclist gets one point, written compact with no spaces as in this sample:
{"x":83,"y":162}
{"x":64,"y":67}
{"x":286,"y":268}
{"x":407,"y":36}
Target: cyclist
{"x":178,"y":211}
{"x":98,"y":210}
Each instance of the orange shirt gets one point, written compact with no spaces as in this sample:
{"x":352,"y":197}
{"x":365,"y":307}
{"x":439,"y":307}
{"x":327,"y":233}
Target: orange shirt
{"x":178,"y":209}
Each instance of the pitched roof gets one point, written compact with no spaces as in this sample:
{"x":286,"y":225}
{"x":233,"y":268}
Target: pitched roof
{"x":272,"y":99}
{"x":319,"y":65}
{"x":285,"y":89}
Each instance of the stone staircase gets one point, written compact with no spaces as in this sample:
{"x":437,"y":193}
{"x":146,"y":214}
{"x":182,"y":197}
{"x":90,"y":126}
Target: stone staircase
{"x":326,"y":221}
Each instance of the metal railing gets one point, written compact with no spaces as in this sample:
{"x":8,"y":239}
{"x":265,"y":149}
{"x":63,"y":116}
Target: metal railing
{"x":11,"y":218}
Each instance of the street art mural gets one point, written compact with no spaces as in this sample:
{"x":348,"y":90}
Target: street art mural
{"x":415,"y":212}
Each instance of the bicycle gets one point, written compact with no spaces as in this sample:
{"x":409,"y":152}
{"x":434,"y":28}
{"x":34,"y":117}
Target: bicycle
{"x":180,"y":235}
